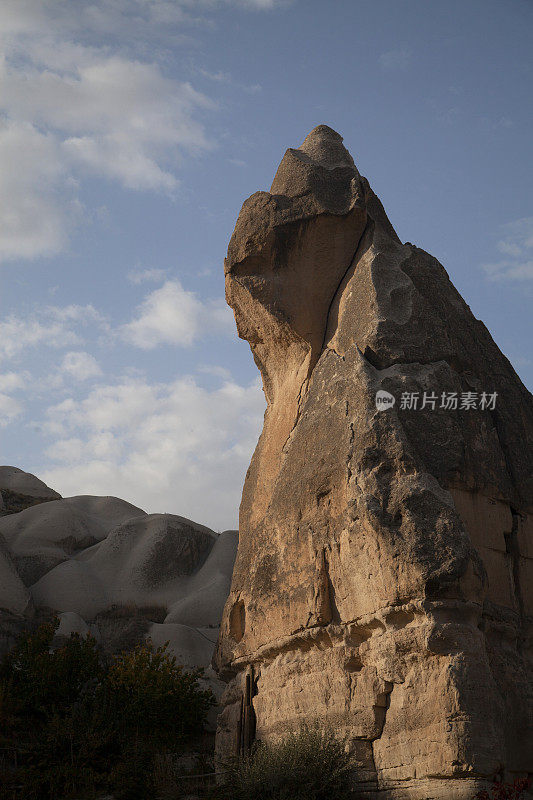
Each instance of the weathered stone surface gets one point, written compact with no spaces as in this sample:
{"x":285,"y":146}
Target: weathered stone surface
{"x":42,"y":536}
{"x":106,"y":567}
{"x":20,"y":490}
{"x":148,"y":560}
{"x":383,"y":579}
{"x":14,"y":597}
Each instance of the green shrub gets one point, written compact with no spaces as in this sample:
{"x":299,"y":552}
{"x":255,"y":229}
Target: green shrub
{"x":43,"y":680}
{"x":308,"y":764}
{"x":80,"y":724}
{"x":156,"y":699}
{"x":132,"y":776}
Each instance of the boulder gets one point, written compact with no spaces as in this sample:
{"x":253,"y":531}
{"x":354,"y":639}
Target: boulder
{"x":201,"y":600}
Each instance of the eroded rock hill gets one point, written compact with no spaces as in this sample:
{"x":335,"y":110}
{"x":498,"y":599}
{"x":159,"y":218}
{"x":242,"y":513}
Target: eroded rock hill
{"x":104,"y":566}
{"x":384,"y":575}
{"x":19,"y":490}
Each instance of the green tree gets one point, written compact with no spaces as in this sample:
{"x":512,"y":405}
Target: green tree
{"x":81,"y":724}
{"x":155,"y":698}
{"x":44,"y":680}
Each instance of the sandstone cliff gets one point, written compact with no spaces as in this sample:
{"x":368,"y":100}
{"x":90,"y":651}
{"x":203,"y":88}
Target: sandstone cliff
{"x":384,"y":575}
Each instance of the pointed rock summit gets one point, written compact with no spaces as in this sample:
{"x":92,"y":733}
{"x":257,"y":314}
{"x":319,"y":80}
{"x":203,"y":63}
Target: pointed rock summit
{"x":384,"y":576}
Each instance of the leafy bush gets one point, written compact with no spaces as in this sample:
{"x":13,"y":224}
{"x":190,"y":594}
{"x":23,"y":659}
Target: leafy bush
{"x":156,"y":699}
{"x":308,"y":764}
{"x":77,"y":723}
{"x":44,"y":680}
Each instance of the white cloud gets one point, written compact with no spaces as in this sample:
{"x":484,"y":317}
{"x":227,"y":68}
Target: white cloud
{"x":517,"y":245}
{"x":146,"y":276}
{"x":80,"y":365}
{"x":34,"y":217}
{"x":217,"y":371}
{"x":508,"y":248}
{"x":398,"y":59}
{"x":175,"y":316}
{"x":76,"y":313}
{"x":173,"y":447}
{"x":117,"y":117}
{"x":131,"y":123}
{"x":70,"y":107}
{"x":17,"y":334}
{"x":9,"y":409}
{"x":227,"y":78}
{"x":53,"y":326}
{"x":13,"y":381}
{"x":218,"y":317}
{"x":509,"y":270}
{"x":218,"y":77}
{"x":121,"y":18}
{"x":169,"y":315}
{"x":86,"y":90}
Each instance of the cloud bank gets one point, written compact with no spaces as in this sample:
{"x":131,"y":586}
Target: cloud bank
{"x":172,"y":446}
{"x":86,"y":91}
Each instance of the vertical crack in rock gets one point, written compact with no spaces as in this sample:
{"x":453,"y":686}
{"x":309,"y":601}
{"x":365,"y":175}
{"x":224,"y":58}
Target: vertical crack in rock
{"x":507,"y":457}
{"x":386,"y":700}
{"x":334,"y":615}
{"x":513,"y":551}
{"x":384,"y":703}
{"x":322,"y":601}
{"x":334,"y":299}
{"x":341,"y":285}
{"x":373,"y":538}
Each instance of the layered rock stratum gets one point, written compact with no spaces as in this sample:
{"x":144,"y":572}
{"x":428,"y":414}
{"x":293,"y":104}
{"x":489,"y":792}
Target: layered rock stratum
{"x":384,"y":574}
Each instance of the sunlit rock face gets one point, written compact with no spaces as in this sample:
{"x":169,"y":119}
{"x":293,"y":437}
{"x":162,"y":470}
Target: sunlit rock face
{"x":384,"y":575}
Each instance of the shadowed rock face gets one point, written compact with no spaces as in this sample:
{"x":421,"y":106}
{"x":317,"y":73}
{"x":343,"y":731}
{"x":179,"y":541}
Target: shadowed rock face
{"x":107,"y":568}
{"x":20,"y":490}
{"x":384,"y":576}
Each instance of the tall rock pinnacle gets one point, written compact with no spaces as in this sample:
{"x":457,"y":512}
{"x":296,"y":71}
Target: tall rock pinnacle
{"x":384,"y":577}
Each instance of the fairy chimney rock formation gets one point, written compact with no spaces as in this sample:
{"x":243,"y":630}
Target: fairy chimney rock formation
{"x":384,"y":575}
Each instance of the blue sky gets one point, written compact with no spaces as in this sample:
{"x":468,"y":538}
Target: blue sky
{"x":131,"y":131}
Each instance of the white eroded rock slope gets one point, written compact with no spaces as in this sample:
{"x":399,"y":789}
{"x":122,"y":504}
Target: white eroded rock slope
{"x":108,"y":568}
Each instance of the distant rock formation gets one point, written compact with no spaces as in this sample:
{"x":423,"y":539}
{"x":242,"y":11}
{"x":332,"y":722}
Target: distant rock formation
{"x":384,"y":575}
{"x":19,"y":490}
{"x":107,"y":568}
